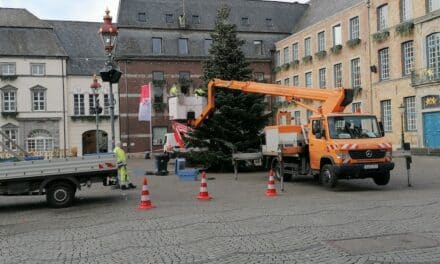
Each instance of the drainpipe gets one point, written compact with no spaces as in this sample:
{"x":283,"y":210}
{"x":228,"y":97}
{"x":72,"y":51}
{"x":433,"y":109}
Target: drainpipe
{"x":369,"y":56}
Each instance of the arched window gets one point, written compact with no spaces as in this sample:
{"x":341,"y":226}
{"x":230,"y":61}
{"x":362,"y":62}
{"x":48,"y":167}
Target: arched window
{"x":433,"y":53}
{"x":39,"y":140}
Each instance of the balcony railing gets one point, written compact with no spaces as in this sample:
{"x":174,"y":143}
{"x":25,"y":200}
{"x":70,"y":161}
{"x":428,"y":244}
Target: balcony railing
{"x":425,"y":76}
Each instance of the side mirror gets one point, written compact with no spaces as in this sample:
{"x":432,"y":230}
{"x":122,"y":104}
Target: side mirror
{"x":382,"y":133}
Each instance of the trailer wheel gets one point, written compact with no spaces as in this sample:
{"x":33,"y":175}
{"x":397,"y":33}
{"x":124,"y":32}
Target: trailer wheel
{"x":60,"y":194}
{"x":382,"y":179}
{"x":277,"y":171}
{"x":328,"y":177}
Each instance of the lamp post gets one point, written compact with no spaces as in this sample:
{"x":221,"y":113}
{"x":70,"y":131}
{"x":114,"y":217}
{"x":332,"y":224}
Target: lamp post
{"x":95,"y":86}
{"x":402,"y":112}
{"x":110,"y":73}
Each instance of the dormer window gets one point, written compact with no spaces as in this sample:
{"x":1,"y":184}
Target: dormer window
{"x":245,"y":21}
{"x":142,"y":17}
{"x":269,"y":22}
{"x":169,"y":18}
{"x":195,"y":19}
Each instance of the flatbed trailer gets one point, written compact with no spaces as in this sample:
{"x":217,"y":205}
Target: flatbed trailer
{"x":58,"y":179}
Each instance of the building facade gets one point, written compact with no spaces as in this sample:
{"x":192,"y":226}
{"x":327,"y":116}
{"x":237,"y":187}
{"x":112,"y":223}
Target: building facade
{"x":164,"y":42}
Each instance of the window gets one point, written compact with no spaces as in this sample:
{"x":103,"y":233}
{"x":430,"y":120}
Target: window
{"x":405,"y":10}
{"x":297,"y":115}
{"x":207,"y":45}
{"x":407,"y":58}
{"x":11,"y":132}
{"x":433,"y":47}
{"x":196,"y":19}
{"x":106,"y":104}
{"x":337,"y":35}
{"x":337,"y":74}
{"x":410,"y":113}
{"x":307,"y":50}
{"x":322,"y":78}
{"x":157,"y":45}
{"x":286,"y":55}
{"x":158,"y":90}
{"x":433,"y":5}
{"x":385,"y":110}
{"x":354,"y":28}
{"x":142,"y":17}
{"x":258,"y":47}
{"x":308,"y":115}
{"x":356,"y":107}
{"x":9,"y":100}
{"x":38,"y":99}
{"x":287,"y":81}
{"x":308,"y":79}
{"x":78,"y":104}
{"x":245,"y":21}
{"x":295,"y":52}
{"x":39,"y":140}
{"x":356,"y":73}
{"x":259,"y":76}
{"x":159,"y":135}
{"x":184,"y":79}
{"x":7,"y":69}
{"x":277,"y":58}
{"x":321,"y":41}
{"x":382,"y":17}
{"x":169,"y":18}
{"x":384,"y":67}
{"x":92,"y":103}
{"x":38,"y":69}
{"x":183,"y":46}
{"x":269,"y":22}
{"x":158,"y":76}
{"x":295,"y":80}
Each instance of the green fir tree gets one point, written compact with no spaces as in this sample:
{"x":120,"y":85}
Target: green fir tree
{"x":238,"y":118}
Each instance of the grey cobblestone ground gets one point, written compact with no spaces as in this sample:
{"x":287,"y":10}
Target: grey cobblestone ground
{"x":306,"y":224}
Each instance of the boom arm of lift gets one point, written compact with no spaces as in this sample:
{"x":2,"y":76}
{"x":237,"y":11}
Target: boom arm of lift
{"x":334,"y":100}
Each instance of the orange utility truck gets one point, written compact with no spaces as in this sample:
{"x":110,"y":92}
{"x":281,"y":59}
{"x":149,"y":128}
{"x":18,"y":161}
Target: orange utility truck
{"x":332,"y":146}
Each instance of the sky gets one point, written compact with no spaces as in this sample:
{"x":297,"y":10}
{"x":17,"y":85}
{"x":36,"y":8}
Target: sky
{"x":77,"y":10}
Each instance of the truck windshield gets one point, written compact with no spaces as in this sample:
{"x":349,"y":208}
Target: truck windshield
{"x":342,"y":127}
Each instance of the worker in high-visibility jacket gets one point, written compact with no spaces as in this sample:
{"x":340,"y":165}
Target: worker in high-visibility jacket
{"x":200,"y":92}
{"x":121,"y":160}
{"x":173,"y":90}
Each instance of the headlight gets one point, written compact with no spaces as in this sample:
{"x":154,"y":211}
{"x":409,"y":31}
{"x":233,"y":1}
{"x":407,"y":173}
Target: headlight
{"x":343,"y":155}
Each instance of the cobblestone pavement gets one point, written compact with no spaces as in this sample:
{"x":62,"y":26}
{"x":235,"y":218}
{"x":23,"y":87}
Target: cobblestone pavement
{"x":358,"y":222}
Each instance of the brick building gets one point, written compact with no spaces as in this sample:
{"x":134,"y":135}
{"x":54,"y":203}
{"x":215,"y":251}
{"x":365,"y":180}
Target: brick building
{"x":165,"y":41}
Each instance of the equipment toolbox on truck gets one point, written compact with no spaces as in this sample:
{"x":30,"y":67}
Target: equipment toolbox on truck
{"x":57,"y":178}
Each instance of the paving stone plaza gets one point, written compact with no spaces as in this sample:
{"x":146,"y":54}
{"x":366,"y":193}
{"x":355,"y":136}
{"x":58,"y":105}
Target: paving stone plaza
{"x":358,"y":222}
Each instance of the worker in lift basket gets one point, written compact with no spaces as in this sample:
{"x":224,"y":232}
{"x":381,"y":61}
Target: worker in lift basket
{"x":121,"y":160}
{"x":173,"y":90}
{"x":199,"y":91}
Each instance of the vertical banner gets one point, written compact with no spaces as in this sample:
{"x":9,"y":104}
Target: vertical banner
{"x":145,"y":103}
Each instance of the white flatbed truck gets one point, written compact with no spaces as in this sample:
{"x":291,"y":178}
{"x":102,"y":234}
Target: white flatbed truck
{"x":58,"y":179}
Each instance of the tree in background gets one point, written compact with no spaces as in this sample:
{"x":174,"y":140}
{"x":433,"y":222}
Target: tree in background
{"x":239,"y":118}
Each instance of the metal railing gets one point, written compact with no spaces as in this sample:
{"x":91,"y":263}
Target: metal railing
{"x":425,"y":76}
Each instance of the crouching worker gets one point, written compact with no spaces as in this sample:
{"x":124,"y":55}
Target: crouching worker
{"x":121,"y":160}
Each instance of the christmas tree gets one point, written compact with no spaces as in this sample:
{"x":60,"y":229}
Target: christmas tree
{"x":238,"y":119}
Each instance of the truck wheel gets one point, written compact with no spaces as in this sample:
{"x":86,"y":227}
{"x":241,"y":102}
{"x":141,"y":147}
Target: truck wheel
{"x":327,"y":176}
{"x":60,"y":194}
{"x":277,"y":171}
{"x":382,"y":179}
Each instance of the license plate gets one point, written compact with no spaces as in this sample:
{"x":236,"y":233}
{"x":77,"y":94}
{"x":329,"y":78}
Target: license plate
{"x":371,"y":166}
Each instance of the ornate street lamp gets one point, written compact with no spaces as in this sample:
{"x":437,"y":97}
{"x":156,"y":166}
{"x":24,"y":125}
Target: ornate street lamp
{"x":95,"y":86}
{"x":402,"y":113}
{"x":110,"y":73}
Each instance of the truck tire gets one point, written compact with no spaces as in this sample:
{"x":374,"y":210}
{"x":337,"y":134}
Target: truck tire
{"x":328,"y":177}
{"x":277,"y":171}
{"x":382,"y":179}
{"x":60,"y":194}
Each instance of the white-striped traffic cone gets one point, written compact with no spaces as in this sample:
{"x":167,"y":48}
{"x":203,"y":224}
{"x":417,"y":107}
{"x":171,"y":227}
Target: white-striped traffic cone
{"x":145,"y":197}
{"x":271,"y":190}
{"x":203,"y":194}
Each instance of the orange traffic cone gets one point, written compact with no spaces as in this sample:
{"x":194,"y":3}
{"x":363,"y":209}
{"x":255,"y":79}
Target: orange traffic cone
{"x":145,"y":197}
{"x":203,"y":194}
{"x":271,"y":190}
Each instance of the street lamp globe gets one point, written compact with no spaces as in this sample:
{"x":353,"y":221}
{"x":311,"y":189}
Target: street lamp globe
{"x":108,"y":33}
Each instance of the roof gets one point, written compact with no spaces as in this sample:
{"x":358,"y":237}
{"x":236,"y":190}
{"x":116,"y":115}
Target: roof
{"x":320,"y":10}
{"x":83,"y":46}
{"x":135,"y":36}
{"x":25,"y":35}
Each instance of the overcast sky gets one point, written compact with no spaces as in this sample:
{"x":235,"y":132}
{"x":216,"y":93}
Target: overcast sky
{"x":81,"y":10}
